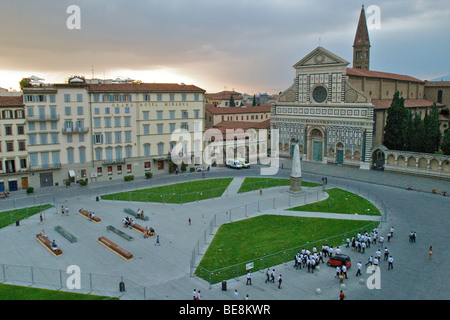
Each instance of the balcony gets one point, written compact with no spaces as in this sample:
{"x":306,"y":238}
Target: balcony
{"x":45,"y":166}
{"x":75,"y":130}
{"x":54,"y":117}
{"x":109,"y":162}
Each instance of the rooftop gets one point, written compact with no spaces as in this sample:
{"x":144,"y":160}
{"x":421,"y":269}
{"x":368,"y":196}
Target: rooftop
{"x":409,"y":103}
{"x":379,"y":74}
{"x":234,"y":110}
{"x":11,"y":101}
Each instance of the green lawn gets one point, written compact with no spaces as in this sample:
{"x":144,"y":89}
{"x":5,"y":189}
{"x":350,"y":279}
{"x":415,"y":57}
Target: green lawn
{"x":176,"y":193}
{"x":341,"y":201}
{"x":11,"y":292}
{"x":251,"y":184}
{"x":10,"y":216}
{"x":274,"y":237}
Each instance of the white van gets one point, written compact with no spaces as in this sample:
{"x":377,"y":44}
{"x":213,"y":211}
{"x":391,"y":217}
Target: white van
{"x":233,"y":163}
{"x":244,"y":163}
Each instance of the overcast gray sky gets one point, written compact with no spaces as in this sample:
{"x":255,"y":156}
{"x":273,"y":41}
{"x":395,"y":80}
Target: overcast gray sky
{"x":246,"y":45}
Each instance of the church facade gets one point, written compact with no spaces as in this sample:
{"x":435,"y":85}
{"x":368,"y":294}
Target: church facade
{"x":330,"y":120}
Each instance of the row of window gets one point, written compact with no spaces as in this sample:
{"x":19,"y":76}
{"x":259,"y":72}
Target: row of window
{"x":9,"y":146}
{"x":108,"y":122}
{"x":12,"y":114}
{"x":172,"y":114}
{"x":36,"y":98}
{"x":9,"y":130}
{"x":32,"y":98}
{"x":10,"y":165}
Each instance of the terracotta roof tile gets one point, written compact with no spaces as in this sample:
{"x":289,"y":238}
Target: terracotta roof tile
{"x":145,"y":87}
{"x":11,"y":101}
{"x":409,"y":103}
{"x":379,"y":74}
{"x":437,"y":83}
{"x":234,"y":110}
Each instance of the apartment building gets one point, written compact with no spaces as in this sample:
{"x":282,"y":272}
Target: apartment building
{"x":13,"y":152}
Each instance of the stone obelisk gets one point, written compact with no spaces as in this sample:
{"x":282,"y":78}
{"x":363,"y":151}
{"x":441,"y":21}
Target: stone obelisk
{"x":296,"y":172}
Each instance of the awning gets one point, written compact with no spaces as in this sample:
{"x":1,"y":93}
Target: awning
{"x":72,"y":174}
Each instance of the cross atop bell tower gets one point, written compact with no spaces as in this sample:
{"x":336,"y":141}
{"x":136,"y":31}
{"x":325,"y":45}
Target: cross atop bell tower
{"x":361,"y":45}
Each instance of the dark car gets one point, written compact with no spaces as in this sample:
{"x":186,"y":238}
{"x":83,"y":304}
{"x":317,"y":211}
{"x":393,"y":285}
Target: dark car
{"x":339,"y":260}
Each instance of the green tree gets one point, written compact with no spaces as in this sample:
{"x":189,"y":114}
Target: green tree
{"x":417,"y":134}
{"x":232,"y":103}
{"x":254,"y":100}
{"x":24,"y":83}
{"x":445,"y":144}
{"x":432,"y":130}
{"x":183,"y":167}
{"x":396,"y":122}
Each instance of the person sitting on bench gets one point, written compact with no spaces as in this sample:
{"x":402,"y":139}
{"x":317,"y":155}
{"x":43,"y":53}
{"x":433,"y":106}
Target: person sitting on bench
{"x":132,"y":223}
{"x":43,"y":235}
{"x":54,"y":246}
{"x":126,"y":221}
{"x":91,"y":215}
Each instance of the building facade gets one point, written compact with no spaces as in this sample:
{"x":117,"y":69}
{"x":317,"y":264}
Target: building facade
{"x":99,"y":131}
{"x":13,"y":147}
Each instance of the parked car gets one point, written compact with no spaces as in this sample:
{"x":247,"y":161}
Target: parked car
{"x":339,"y":260}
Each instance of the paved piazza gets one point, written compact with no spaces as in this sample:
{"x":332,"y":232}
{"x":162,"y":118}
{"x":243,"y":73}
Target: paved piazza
{"x":165,"y":271}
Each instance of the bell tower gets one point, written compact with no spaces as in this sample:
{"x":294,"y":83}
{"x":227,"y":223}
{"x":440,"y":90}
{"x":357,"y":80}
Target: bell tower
{"x":361,"y":45}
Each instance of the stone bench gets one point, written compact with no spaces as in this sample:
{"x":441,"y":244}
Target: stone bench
{"x":120,"y":233}
{"x":85,"y":213}
{"x":66,"y":234}
{"x":48,"y":245}
{"x":115,"y":248}
{"x":134,"y":214}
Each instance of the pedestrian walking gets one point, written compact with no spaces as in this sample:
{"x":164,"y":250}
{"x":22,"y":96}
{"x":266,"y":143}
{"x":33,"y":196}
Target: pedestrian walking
{"x":157,"y":241}
{"x":62,"y":210}
{"x":359,"y":266}
{"x":41,"y":219}
{"x":194,"y":294}
{"x":341,"y":295}
{"x":390,"y":263}
{"x":199,"y":295}
{"x":338,"y":272}
{"x":249,"y":279}
{"x":272,"y":276}
{"x":189,"y":220}
{"x":267,"y":275}
{"x":344,"y":271}
{"x":370,"y":261}
{"x":386,"y":254}
{"x":392,"y":231}
{"x":279,"y":281}
{"x":430,"y":252}
{"x":236,"y":294}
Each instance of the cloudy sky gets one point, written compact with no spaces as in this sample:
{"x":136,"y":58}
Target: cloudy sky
{"x":246,"y":45}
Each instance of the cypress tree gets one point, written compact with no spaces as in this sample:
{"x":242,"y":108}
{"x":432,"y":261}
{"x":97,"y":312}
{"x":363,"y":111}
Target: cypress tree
{"x":254,"y":100}
{"x":445,"y":145}
{"x":432,"y":130}
{"x":395,"y":129}
{"x":418,"y":143}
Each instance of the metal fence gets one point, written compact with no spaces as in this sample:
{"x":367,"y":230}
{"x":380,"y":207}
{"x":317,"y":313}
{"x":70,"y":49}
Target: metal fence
{"x":53,"y":279}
